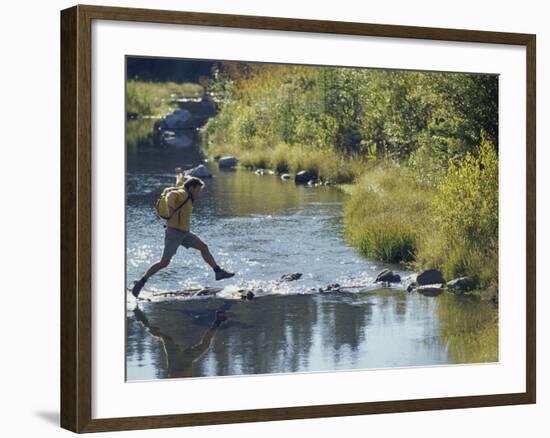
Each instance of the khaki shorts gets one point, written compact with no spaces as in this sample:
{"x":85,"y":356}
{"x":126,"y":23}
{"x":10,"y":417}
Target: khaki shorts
{"x":173,"y":238}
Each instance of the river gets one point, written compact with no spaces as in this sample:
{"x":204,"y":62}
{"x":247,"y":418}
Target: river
{"x":261,"y":227}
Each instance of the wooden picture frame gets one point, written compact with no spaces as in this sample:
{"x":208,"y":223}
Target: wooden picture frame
{"x":76,"y":218}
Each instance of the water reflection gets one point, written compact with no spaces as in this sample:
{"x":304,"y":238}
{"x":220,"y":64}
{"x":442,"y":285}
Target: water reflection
{"x":469,"y":327}
{"x":180,"y":355}
{"x":295,"y":333}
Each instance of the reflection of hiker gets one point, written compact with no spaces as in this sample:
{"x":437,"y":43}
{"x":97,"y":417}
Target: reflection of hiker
{"x":179,"y":201}
{"x":180,"y":361}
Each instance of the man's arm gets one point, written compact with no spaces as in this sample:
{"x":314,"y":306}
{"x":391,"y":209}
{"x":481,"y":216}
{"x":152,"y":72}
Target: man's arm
{"x":171,"y":202}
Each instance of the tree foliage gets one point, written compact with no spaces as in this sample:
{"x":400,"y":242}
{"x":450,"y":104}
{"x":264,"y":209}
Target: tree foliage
{"x":424,"y":118}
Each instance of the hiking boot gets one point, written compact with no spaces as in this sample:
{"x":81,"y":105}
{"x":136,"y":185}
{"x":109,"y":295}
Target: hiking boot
{"x":221,"y":274}
{"x":138,"y":285}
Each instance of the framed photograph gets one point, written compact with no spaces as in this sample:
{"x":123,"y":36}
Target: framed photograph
{"x":270,"y":218}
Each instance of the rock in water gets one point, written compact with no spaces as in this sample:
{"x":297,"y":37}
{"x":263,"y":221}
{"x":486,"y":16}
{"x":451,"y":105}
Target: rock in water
{"x":411,"y":282}
{"x":431,"y":290}
{"x":177,"y":120}
{"x":431,"y":276}
{"x":335,"y":287}
{"x":303,"y":177}
{"x":247,"y":296}
{"x":291,"y":277}
{"x":285,"y":176}
{"x":177,"y":140}
{"x":387,"y":276}
{"x":227,"y":162}
{"x":201,"y":171}
{"x":461,"y":285}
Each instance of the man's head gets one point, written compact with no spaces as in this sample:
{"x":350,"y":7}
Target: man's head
{"x":193,"y":185}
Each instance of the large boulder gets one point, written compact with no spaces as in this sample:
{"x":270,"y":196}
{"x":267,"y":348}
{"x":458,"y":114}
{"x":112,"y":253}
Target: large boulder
{"x":431,"y":290}
{"x":304,"y":176}
{"x":431,"y":276}
{"x":387,"y":276}
{"x":177,"y":120}
{"x":201,"y":171}
{"x":461,"y":285}
{"x":227,"y":162}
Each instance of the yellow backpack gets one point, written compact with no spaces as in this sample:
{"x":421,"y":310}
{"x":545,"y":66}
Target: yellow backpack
{"x":161,"y":206}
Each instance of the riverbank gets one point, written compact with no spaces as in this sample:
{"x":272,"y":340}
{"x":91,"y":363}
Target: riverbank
{"x":325,"y":163}
{"x":156,"y":99}
{"x":419,"y":148}
{"x":395,"y":216}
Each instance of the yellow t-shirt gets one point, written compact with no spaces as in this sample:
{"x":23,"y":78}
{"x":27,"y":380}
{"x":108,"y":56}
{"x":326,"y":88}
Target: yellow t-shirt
{"x":181,"y":219}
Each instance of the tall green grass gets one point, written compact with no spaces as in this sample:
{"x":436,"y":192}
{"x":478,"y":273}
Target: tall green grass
{"x":386,"y":214}
{"x":153,"y":98}
{"x":326,"y":163}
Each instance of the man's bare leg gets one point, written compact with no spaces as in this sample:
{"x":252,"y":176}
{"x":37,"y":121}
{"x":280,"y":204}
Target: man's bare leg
{"x":153,"y":269}
{"x":205,"y":253}
{"x":209,"y":258}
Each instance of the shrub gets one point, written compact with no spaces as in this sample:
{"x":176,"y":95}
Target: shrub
{"x":465,"y":240}
{"x":466,"y":203}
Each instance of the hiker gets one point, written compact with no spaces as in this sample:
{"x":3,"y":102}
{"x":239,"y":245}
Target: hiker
{"x":180,"y":206}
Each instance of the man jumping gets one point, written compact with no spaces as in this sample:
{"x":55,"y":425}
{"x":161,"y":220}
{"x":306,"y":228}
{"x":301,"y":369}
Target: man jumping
{"x":180,"y":206}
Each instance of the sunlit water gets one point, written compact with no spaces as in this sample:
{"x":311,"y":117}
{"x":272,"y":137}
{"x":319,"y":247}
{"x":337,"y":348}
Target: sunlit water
{"x":261,"y":227}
